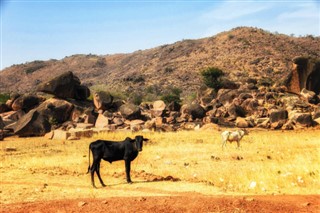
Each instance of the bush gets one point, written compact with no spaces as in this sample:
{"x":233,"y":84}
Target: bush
{"x":4,"y":98}
{"x":136,"y":98}
{"x":212,"y":77}
{"x":172,"y":94}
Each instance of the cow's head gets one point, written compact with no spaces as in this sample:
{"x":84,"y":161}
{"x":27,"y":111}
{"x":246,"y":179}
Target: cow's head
{"x":245,"y":131}
{"x":139,"y":142}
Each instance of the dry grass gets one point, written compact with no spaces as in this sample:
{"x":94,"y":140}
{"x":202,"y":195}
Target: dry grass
{"x":269,"y":162}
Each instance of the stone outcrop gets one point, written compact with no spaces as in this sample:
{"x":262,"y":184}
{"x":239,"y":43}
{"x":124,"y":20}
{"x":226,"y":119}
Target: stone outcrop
{"x":32,"y":124}
{"x":65,"y":86}
{"x":66,"y":118}
{"x":305,"y":74}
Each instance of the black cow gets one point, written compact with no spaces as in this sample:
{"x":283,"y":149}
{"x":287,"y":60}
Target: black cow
{"x":126,"y":150}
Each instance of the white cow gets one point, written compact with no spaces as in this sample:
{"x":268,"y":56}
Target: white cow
{"x":233,"y":136}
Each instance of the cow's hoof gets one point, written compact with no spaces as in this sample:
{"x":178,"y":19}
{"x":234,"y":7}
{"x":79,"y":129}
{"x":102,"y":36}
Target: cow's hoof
{"x":103,"y":185}
{"x":130,"y":182}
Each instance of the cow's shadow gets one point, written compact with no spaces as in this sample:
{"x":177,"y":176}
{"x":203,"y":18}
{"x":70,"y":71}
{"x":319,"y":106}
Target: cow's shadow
{"x":141,"y":181}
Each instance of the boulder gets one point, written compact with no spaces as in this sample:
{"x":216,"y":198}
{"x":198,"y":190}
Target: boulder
{"x":59,"y":134}
{"x":150,"y":124}
{"x":65,"y":86}
{"x":32,"y":124}
{"x":1,"y":124}
{"x":130,"y":111}
{"x":118,"y":121}
{"x":89,"y":117}
{"x":310,"y":96}
{"x":9,"y":118}
{"x":263,"y":123}
{"x":26,"y":102}
{"x":159,"y":122}
{"x":278,"y":115}
{"x":226,"y":96}
{"x":241,"y":122}
{"x":158,"y":108}
{"x":159,"y":105}
{"x":288,"y":125}
{"x":13,"y":97}
{"x":245,"y":96}
{"x":277,"y":124}
{"x":205,"y":95}
{"x":102,"y":121}
{"x":136,"y":125}
{"x":317,"y":121}
{"x":102,"y":100}
{"x":250,"y":105}
{"x":303,"y":119}
{"x":193,"y":110}
{"x":57,"y":111}
{"x":77,"y":133}
{"x":81,"y":92}
{"x":4,"y":108}
{"x":236,"y":111}
{"x":84,"y":126}
{"x":316,"y":113}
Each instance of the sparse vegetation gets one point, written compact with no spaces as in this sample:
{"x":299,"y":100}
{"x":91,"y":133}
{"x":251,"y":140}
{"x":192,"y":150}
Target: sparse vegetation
{"x":34,"y":66}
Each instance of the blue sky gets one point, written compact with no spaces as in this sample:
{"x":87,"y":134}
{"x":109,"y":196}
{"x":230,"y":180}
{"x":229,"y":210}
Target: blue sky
{"x":52,"y":29}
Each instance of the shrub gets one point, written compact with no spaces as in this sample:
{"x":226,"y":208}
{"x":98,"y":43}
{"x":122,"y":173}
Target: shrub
{"x":135,"y":98}
{"x":4,"y":98}
{"x":172,"y":94}
{"x":212,"y":77}
{"x":34,"y":66}
{"x":265,"y":81}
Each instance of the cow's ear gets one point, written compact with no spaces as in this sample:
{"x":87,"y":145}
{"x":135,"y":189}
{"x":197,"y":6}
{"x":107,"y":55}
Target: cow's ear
{"x":145,"y":139}
{"x":129,"y":139}
{"x":132,"y":140}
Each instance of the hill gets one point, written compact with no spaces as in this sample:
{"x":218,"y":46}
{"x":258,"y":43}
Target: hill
{"x":241,"y":53}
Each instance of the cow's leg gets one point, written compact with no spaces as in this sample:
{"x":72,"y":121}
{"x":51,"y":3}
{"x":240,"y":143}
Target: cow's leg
{"x":224,"y":144}
{"x":98,"y":173}
{"x":92,"y":170}
{"x":128,"y":167}
{"x":238,"y":143}
{"x":95,"y":168}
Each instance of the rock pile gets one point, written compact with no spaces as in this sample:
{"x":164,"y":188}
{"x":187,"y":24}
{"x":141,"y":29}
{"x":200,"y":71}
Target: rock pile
{"x":69,"y":115}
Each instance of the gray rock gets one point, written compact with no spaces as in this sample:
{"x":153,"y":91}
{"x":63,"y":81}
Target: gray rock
{"x":130,"y":111}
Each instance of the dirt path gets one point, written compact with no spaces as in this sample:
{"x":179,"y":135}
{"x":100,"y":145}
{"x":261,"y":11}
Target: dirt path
{"x":190,"y":202}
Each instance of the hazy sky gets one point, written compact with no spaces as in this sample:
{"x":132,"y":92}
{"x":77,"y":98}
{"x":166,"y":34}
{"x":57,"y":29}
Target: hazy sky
{"x":52,"y":29}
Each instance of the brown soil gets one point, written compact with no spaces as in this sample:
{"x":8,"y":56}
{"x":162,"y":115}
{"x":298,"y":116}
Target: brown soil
{"x":189,"y":202}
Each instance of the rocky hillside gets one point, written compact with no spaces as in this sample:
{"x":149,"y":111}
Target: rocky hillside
{"x":241,"y":53}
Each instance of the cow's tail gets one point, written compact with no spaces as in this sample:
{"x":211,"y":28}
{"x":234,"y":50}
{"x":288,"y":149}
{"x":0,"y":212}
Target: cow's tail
{"x":89,"y":161}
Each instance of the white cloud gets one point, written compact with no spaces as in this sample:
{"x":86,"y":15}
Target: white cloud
{"x":301,"y":11}
{"x":297,"y":17}
{"x":230,"y":10}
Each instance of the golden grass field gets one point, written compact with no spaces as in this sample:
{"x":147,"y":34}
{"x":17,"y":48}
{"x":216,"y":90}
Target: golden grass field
{"x":269,"y":162}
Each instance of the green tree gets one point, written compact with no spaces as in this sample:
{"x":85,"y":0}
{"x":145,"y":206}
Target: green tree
{"x":212,"y":77}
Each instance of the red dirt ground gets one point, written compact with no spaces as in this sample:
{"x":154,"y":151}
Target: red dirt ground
{"x":190,"y":202}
